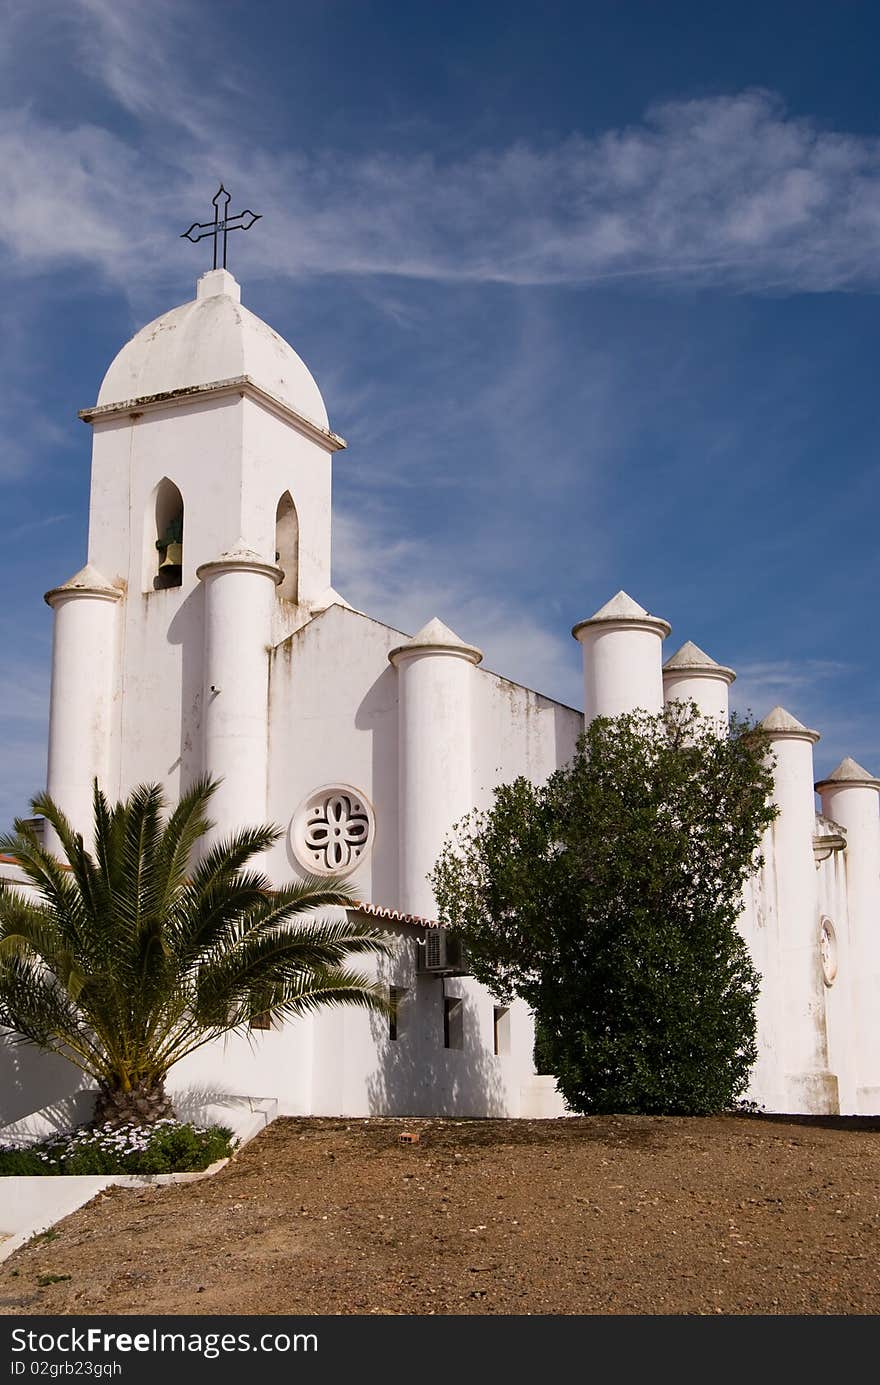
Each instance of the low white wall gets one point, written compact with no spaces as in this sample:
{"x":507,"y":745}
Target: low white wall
{"x":541,"y":1099}
{"x":29,"y":1205}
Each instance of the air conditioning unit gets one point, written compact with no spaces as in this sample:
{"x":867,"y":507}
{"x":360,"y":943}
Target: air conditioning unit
{"x":441,"y":954}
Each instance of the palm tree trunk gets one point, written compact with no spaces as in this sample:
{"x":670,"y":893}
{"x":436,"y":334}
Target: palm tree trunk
{"x":143,"y":1105}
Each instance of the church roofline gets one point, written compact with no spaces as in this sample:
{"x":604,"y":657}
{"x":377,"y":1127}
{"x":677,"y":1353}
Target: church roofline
{"x":381,"y":911}
{"x":241,"y":385}
{"x":240,"y":558}
{"x":848,"y":775}
{"x":622,"y":613}
{"x":696,"y":663}
{"x":482,"y":670}
{"x":87,"y":582}
{"x":780,"y":725}
{"x":436,"y":638}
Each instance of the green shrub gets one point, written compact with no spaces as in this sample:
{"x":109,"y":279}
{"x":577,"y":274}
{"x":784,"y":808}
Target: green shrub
{"x":607,"y":899}
{"x":26,"y":1162}
{"x":165,"y":1147}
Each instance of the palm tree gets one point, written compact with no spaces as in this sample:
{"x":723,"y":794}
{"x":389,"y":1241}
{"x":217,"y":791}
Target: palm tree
{"x":128,"y":958}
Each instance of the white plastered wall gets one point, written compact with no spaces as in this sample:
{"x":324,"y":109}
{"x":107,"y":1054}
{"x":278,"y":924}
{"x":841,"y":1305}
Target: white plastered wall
{"x":854,"y":806}
{"x":334,"y":719}
{"x":83,"y":703}
{"x":707,"y":690}
{"x":758,"y":924}
{"x":622,"y":668}
{"x":840,"y":995}
{"x":232,"y":459}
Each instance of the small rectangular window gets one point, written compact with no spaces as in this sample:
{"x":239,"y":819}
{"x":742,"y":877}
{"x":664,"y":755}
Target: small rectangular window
{"x":397,"y":1013}
{"x":263,"y":1021}
{"x":453,"y":1022}
{"x":501,"y":1027}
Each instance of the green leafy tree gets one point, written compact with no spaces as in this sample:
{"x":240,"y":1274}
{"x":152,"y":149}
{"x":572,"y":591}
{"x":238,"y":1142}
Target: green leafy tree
{"x":129,"y":957}
{"x":607,"y":899}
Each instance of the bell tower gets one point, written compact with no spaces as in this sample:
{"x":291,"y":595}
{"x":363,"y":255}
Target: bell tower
{"x":209,"y":533}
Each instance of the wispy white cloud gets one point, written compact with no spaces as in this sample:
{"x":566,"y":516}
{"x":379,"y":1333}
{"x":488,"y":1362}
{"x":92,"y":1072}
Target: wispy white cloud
{"x":27,"y":432}
{"x":31,"y":526}
{"x":729,"y":190}
{"x":807,"y":687}
{"x":139,"y":57}
{"x":24,"y":435}
{"x":854,"y":734}
{"x":405,"y":584}
{"x":773,"y":680}
{"x":819,"y":693}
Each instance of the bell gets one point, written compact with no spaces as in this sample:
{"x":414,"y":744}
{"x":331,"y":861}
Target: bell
{"x":173,"y":556}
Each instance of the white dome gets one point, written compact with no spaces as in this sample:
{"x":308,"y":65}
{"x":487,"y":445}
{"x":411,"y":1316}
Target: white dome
{"x":212,"y":338}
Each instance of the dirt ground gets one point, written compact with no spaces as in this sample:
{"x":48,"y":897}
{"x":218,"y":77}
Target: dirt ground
{"x":590,"y":1215}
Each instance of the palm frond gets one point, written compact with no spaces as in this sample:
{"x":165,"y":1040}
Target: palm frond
{"x":184,"y":830}
{"x":258,"y":960}
{"x":125,"y":962}
{"x":36,"y":1006}
{"x":336,"y":986}
{"x":292,"y":997}
{"x":314,"y":892}
{"x":56,"y":886}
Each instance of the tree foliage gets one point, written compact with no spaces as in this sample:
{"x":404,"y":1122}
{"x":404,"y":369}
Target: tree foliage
{"x":128,"y":958}
{"x":607,"y":899}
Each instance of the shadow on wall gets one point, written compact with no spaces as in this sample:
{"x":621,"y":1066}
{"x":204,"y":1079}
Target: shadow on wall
{"x":186,"y":630}
{"x":57,"y":1117}
{"x":31,"y":1079}
{"x":190,"y":1102}
{"x":377,"y":716}
{"x":417,"y":1075}
{"x":567,"y":727}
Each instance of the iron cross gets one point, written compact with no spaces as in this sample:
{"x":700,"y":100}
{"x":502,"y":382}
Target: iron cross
{"x":222,"y":224}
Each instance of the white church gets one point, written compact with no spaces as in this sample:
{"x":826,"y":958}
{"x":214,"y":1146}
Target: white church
{"x":204,"y":635}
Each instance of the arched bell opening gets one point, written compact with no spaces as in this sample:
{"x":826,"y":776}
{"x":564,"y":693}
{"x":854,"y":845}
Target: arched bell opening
{"x":287,"y":547}
{"x":163,"y":555}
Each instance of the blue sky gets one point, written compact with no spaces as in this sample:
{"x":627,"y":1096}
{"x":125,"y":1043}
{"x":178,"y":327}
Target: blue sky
{"x":589,"y":288}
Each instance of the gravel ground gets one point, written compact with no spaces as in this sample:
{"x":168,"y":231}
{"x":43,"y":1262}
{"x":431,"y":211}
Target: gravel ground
{"x":612,"y":1214}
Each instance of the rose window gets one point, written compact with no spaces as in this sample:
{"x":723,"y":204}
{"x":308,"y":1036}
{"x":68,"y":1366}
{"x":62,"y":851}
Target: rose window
{"x":332,"y":831}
